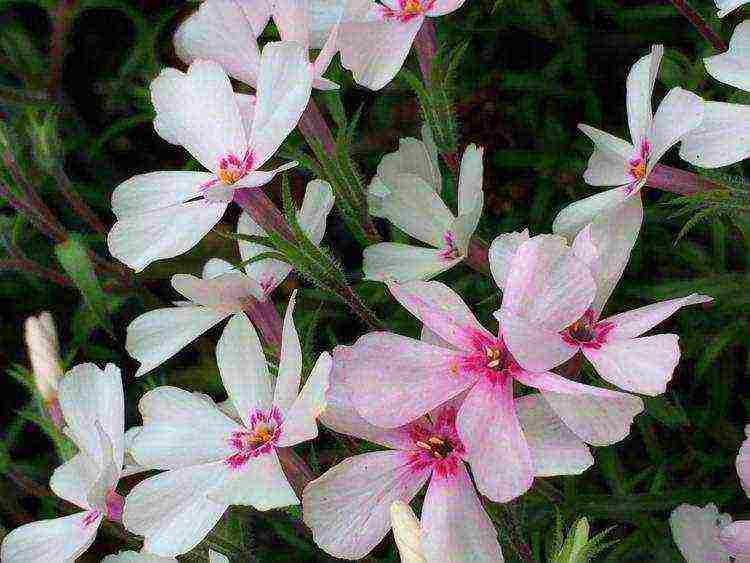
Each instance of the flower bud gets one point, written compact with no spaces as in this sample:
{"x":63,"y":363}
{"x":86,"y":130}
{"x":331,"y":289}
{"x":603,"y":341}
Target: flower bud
{"x":44,"y":353}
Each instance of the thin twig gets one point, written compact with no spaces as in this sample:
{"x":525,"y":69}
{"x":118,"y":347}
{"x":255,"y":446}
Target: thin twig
{"x":700,"y":24}
{"x":29,"y":267}
{"x":76,"y":201}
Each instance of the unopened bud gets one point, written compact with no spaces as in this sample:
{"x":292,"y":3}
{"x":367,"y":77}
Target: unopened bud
{"x":46,"y":365}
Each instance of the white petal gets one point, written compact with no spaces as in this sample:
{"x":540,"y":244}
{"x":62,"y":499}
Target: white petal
{"x":679,"y":113}
{"x":413,"y":206}
{"x":577,"y":215}
{"x":316,"y":206}
{"x":733,"y":66}
{"x":695,"y":531}
{"x":227,"y":292}
{"x":283,"y":91}
{"x":348,"y":507}
{"x":722,"y":138}
{"x":555,"y":450}
{"x":535,"y":347}
{"x":324,"y":15}
{"x":501,"y":253}
{"x":246,"y":104}
{"x":396,"y":262}
{"x":60,"y":539}
{"x":259,"y":483}
{"x":137,"y":557}
{"x":242,"y":366}
{"x":470,"y":194}
{"x":290,"y":364}
{"x":200,"y":110}
{"x":413,"y":157}
{"x":300,"y":424}
{"x":260,"y":178}
{"x":636,"y":322}
{"x":156,"y":336}
{"x":640,"y":89}
{"x":727,"y":6}
{"x":614,"y":146}
{"x":221,"y":31}
{"x":89,"y":395}
{"x":443,"y":7}
{"x":407,"y":533}
{"x":215,"y":557}
{"x":607,"y":169}
{"x":172,"y":511}
{"x":180,"y":429}
{"x":75,"y":478}
{"x":138,"y":240}
{"x":268,"y":273}
{"x":156,"y":190}
{"x":456,"y":527}
{"x":292,"y":20}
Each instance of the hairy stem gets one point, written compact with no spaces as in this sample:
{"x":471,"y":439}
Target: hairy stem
{"x":266,"y":318}
{"x":425,"y":44}
{"x":313,"y":126}
{"x":679,"y":181}
{"x":255,"y":203}
{"x":700,"y":24}
{"x":77,"y":202}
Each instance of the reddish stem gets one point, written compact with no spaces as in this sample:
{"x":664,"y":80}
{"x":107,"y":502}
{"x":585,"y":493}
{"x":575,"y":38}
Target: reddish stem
{"x":679,"y":181}
{"x":478,"y":256}
{"x":255,"y":202}
{"x":425,"y":44}
{"x":296,"y":469}
{"x":314,"y":127}
{"x":700,"y":24}
{"x":266,"y":318}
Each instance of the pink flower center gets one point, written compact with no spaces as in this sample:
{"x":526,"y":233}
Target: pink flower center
{"x":450,"y":250}
{"x":408,"y":9}
{"x":259,"y":439}
{"x":490,"y":358}
{"x":437,"y":445}
{"x":587,"y":333}
{"x":230,"y":170}
{"x":639,"y":164}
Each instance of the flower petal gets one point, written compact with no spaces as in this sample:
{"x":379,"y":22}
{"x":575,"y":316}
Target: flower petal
{"x":301,"y":423}
{"x":743,"y":462}
{"x":243,"y":369}
{"x":695,"y":531}
{"x":497,"y":450}
{"x":455,"y":524}
{"x":722,"y":138}
{"x":259,"y":483}
{"x":324,"y":15}
{"x":75,"y":478}
{"x":283,"y":91}
{"x":180,"y":429}
{"x":138,"y":240}
{"x":156,"y":336}
{"x":156,"y":190}
{"x":400,"y":263}
{"x":577,"y":215}
{"x":679,"y":113}
{"x":727,"y":6}
{"x":636,"y":322}
{"x":470,"y":194}
{"x":59,"y":539}
{"x":316,"y":206}
{"x":599,"y":417}
{"x":290,"y":364}
{"x":407,"y":533}
{"x":268,"y":273}
{"x":533,"y":346}
{"x":442,"y":310}
{"x":417,"y":377}
{"x":606,"y":168}
{"x":227,"y":292}
{"x":172,"y":511}
{"x":733,"y":65}
{"x":555,"y":450}
{"x":199,"y":109}
{"x":735,"y":537}
{"x":348,"y":507}
{"x":501,"y":253}
{"x":443,"y":7}
{"x":640,"y":89}
{"x":607,"y":143}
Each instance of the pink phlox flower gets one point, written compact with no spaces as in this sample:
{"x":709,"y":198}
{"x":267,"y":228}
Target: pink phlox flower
{"x":259,"y":439}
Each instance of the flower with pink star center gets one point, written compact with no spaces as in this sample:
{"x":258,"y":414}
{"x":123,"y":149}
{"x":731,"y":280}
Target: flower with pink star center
{"x":586,"y":332}
{"x":490,"y":358}
{"x":638,"y":165}
{"x":450,"y":251}
{"x":230,"y":169}
{"x":259,"y":439}
{"x":438,"y":447}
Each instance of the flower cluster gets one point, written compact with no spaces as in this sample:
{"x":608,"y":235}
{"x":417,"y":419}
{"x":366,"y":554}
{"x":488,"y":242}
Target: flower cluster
{"x":466,"y":410}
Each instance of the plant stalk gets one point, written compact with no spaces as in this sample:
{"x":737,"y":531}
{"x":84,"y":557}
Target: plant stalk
{"x":700,"y":25}
{"x":679,"y":181}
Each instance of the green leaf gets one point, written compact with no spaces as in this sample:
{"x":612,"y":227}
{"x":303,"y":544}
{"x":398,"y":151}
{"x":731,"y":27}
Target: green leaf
{"x":669,"y":413}
{"x":73,"y":256}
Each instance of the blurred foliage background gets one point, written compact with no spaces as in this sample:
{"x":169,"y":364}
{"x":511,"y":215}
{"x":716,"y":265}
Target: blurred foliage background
{"x":75,"y":115}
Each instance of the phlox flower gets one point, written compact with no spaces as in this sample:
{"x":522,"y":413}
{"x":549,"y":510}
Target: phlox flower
{"x":226,"y":31}
{"x":703,"y":535}
{"x":375,"y":38}
{"x":723,"y":138}
{"x":212,"y":460}
{"x":616,"y":162}
{"x":143,"y":557}
{"x":348,"y":507}
{"x":223,"y":291}
{"x":407,"y":533}
{"x":459,"y":355}
{"x":545,"y":322}
{"x":727,"y":6}
{"x":164,"y":214}
{"x":406,"y":191}
{"x":92,"y":404}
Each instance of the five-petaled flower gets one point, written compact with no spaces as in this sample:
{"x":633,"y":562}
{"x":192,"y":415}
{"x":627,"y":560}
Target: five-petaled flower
{"x":406,"y":191}
{"x":214,"y":460}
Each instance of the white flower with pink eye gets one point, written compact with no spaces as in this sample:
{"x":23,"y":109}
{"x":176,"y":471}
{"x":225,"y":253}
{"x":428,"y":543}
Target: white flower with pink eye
{"x":92,"y":404}
{"x":459,"y":355}
{"x":164,"y":214}
{"x":406,"y":191}
{"x":723,"y":138}
{"x":214,"y":461}
{"x":348,"y":508}
{"x":545,"y":322}
{"x":375,"y":38}
{"x":703,"y":535}
{"x":616,"y":162}
{"x":223,"y":291}
{"x":226,"y":31}
{"x":727,"y":6}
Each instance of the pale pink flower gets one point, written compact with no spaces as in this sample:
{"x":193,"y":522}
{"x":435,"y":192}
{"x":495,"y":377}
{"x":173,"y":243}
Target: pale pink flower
{"x":406,"y":191}
{"x":460,"y":355}
{"x":375,"y":38}
{"x":92,"y":404}
{"x":545,"y":321}
{"x":348,"y":507}
{"x":223,"y":291}
{"x":616,"y":162}
{"x":723,"y":137}
{"x":164,"y":214}
{"x":703,"y":535}
{"x":212,"y":460}
{"x":226,"y":31}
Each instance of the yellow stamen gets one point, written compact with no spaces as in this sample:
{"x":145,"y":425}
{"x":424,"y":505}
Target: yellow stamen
{"x":639,"y":170}
{"x":423,"y":445}
{"x":228,"y":176}
{"x":413,"y":7}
